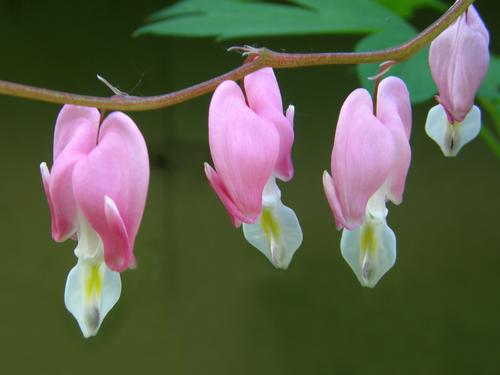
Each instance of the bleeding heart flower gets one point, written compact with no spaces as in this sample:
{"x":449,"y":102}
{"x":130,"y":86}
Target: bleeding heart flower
{"x":370,"y":159}
{"x":250,"y":143}
{"x":96,"y":192}
{"x":458,"y":59}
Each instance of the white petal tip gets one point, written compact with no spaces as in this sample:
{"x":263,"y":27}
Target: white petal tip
{"x":326,"y":177}
{"x":44,"y":170}
{"x":370,"y":251}
{"x":90,"y":293}
{"x":290,"y":113}
{"x":110,"y":203}
{"x":452,"y":137}
{"x":277,"y":235}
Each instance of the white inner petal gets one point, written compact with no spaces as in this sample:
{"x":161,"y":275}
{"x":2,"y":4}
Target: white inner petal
{"x":277,"y":233}
{"x":370,"y":250}
{"x":90,"y":246}
{"x":271,"y":195}
{"x":452,"y":137}
{"x":92,"y":289}
{"x":375,"y":208}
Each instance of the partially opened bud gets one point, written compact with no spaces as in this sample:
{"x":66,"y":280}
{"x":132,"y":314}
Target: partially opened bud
{"x":458,"y":59}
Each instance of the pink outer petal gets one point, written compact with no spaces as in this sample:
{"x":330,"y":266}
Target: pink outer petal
{"x":362,"y":157}
{"x":263,"y":92}
{"x":394,"y":111}
{"x":218,"y":186}
{"x":459,"y":59}
{"x":74,"y":137}
{"x":67,"y":127}
{"x":475,"y":22}
{"x":117,"y":238}
{"x":44,"y":171}
{"x":244,"y":149}
{"x":117,"y":168}
{"x":264,"y":98}
{"x":333,"y":200}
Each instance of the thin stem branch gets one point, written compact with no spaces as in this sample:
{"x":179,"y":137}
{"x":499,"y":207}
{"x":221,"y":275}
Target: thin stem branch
{"x":265,"y":58}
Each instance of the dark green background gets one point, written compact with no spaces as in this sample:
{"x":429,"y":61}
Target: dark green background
{"x":202,"y":300}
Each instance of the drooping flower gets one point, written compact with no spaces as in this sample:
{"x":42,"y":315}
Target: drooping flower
{"x":370,"y":159}
{"x":458,"y":59}
{"x":96,"y":192}
{"x":250,"y":142}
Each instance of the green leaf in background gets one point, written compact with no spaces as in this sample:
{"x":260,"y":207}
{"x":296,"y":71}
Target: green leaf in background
{"x":230,"y":19}
{"x":187,"y":7}
{"x":415,"y":72}
{"x":489,"y":96}
{"x":405,"y":8}
{"x":491,"y":84}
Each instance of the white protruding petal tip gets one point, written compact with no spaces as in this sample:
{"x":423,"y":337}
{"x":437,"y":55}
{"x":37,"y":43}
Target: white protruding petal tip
{"x":44,"y":171}
{"x":290,"y":113}
{"x":452,"y":137}
{"x":43,"y":168}
{"x":277,"y":234}
{"x":370,"y":251}
{"x":109,"y":204}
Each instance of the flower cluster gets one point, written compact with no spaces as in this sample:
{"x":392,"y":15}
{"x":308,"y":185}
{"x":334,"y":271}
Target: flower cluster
{"x":250,"y":142}
{"x":96,"y":192}
{"x":97,"y":186}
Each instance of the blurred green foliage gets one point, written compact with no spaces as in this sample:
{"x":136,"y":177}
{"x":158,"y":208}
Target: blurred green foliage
{"x":230,"y":19}
{"x":383,"y":20}
{"x":406,"y":8}
{"x":415,"y":72}
{"x":491,"y":84}
{"x":489,"y":99}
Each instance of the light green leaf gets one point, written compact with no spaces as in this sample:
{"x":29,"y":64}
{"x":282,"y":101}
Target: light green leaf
{"x":229,"y":19}
{"x":491,"y":84}
{"x":186,"y":7}
{"x":405,"y":8}
{"x":415,"y":72}
{"x":490,"y":139}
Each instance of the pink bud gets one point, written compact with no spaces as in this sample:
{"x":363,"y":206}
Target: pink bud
{"x":250,"y":141}
{"x":459,"y":60}
{"x":370,"y":152}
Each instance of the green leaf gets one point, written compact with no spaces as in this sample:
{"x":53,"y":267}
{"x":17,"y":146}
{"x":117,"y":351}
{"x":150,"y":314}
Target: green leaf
{"x":405,"y":8}
{"x":491,"y":84}
{"x":489,"y":93}
{"x":415,"y":72}
{"x":229,"y":19}
{"x":491,"y":140}
{"x":186,"y":7}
